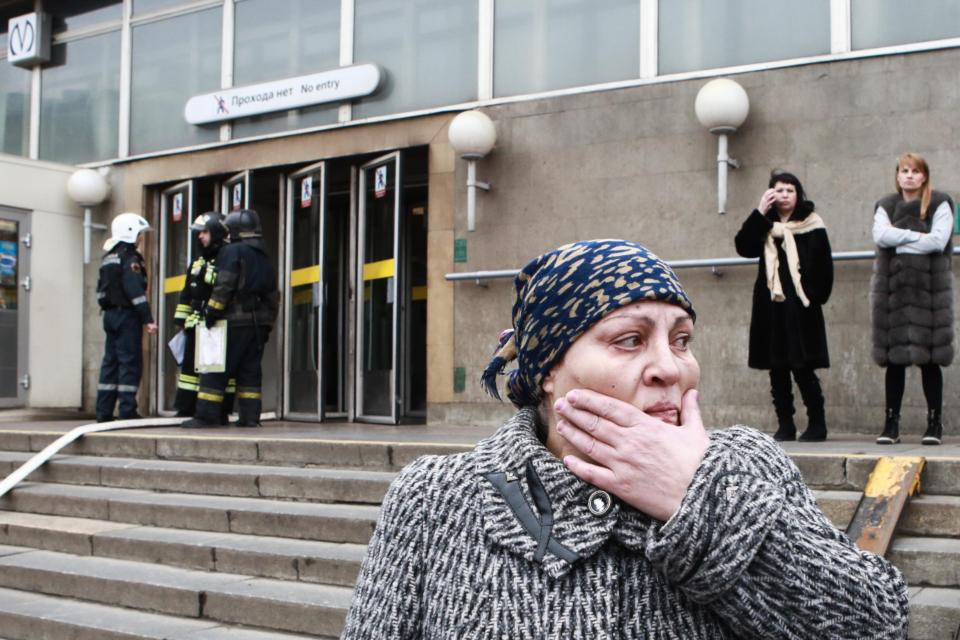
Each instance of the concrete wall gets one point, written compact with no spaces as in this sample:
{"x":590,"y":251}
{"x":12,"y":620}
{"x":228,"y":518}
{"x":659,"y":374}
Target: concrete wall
{"x":56,"y":317}
{"x":635,"y":163}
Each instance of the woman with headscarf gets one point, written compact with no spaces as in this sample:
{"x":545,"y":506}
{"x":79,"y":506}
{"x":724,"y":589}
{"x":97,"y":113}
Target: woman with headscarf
{"x":794,"y":280}
{"x":603,"y":509}
{"x":912,"y":292}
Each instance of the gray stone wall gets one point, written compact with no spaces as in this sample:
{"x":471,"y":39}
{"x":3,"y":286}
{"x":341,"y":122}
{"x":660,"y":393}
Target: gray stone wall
{"x":635,"y":163}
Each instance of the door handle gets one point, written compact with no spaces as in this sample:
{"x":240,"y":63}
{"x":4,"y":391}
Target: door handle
{"x":25,"y":283}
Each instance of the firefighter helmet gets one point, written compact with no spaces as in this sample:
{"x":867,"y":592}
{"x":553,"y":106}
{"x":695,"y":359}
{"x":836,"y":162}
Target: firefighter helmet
{"x":244,"y":225}
{"x":212,"y":221}
{"x":126,"y":227}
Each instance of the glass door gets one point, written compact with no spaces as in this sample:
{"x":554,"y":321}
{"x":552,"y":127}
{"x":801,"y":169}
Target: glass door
{"x":378,"y":248}
{"x":235,"y":193}
{"x":303,"y":297}
{"x":176,"y":216}
{"x":14,"y":288}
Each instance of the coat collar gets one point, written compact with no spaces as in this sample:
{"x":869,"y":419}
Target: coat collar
{"x":554,"y":526}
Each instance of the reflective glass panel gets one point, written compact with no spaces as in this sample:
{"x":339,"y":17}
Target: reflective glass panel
{"x":271,"y":45}
{"x":884,"y":23}
{"x":176,"y":210}
{"x":79,"y":100}
{"x":14,"y":107}
{"x":305,"y":288}
{"x":705,"y":34}
{"x":79,"y":14}
{"x":541,"y":45}
{"x":173,"y":60}
{"x":428,"y":49}
{"x":141,"y":7}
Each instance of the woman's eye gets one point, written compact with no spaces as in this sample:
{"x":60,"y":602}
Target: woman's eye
{"x":628,"y":342}
{"x":682,"y":341}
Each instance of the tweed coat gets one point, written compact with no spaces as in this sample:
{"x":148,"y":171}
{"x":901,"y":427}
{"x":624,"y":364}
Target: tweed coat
{"x":787,"y":335}
{"x":912,"y":294}
{"x":747,"y":555}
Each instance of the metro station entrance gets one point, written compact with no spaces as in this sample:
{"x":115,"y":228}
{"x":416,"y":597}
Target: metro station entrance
{"x":348,"y":239}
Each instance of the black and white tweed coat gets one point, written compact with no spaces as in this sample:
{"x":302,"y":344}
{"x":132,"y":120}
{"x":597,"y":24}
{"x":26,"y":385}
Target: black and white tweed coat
{"x":748,"y":555}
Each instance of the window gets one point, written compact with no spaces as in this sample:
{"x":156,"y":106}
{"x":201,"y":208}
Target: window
{"x":428,"y":49}
{"x":271,"y":45}
{"x":80,"y":14}
{"x":541,"y":45}
{"x":705,"y":34}
{"x":78,"y":103}
{"x":884,"y":23}
{"x":173,"y":60}
{"x":14,"y":105}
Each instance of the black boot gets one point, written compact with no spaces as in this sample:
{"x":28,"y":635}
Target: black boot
{"x":197,"y":423}
{"x":816,"y":430}
{"x":812,"y":396}
{"x":934,"y":433}
{"x":891,"y":429}
{"x":786,"y":429}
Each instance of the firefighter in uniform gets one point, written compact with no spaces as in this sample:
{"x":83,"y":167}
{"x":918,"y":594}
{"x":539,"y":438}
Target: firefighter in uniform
{"x":212,"y":235}
{"x":122,"y":295}
{"x":245,"y":294}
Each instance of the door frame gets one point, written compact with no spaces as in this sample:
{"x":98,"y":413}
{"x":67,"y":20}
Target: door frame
{"x":24,"y":242}
{"x":396,"y":391}
{"x":226,"y":199}
{"x":291,"y":194}
{"x":162,"y":279}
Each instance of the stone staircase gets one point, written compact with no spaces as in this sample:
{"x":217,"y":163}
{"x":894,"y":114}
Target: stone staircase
{"x":132,"y":535}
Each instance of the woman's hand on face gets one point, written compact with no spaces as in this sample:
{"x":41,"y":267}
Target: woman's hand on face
{"x":767,"y":200}
{"x":645,"y":462}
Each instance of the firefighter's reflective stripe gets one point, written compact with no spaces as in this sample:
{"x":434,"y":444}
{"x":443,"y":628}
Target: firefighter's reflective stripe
{"x":183,"y":311}
{"x":216,"y":304}
{"x":139,"y":300}
{"x":126,"y":388}
{"x":188,"y":382}
{"x":106,"y":387}
{"x":209,"y":396}
{"x":232,"y":385}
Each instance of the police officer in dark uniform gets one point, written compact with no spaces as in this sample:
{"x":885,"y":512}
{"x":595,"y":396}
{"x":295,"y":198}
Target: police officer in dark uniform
{"x":122,"y":294}
{"x":212,"y":235}
{"x":245,"y":294}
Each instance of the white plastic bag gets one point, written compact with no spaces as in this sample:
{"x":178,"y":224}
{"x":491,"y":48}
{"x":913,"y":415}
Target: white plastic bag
{"x":211,"y":353}
{"x":178,"y":345}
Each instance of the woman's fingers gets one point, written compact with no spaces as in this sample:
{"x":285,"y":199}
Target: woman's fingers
{"x":600,"y":477}
{"x":586,"y":442}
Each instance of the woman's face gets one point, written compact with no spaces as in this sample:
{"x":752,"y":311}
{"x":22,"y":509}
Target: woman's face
{"x":786,"y":197}
{"x":910,"y":178}
{"x":639,"y":353}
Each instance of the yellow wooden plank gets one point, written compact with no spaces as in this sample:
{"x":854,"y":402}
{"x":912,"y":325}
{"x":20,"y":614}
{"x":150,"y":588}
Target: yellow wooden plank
{"x":306,"y":275}
{"x":175,"y":284}
{"x":419,"y":293}
{"x":378,"y":270}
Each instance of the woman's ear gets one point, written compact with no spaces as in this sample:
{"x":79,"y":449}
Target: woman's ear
{"x":547,"y":384}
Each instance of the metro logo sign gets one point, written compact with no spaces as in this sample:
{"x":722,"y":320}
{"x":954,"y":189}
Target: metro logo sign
{"x":28,"y":39}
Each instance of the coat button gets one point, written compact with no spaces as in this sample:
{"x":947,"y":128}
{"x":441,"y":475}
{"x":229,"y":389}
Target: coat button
{"x":599,"y":502}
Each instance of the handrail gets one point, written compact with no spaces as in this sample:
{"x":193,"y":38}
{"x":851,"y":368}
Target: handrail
{"x":838,"y":256}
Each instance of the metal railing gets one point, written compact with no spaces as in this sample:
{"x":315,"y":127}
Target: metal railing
{"x":700,"y":263}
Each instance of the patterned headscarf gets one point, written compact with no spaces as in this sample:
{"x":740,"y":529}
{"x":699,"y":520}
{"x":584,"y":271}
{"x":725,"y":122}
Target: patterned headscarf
{"x":560,"y":294}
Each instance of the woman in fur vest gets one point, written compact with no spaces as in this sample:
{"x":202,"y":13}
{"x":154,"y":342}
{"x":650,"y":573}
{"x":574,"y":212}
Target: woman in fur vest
{"x":795,"y":277}
{"x":912,"y":292}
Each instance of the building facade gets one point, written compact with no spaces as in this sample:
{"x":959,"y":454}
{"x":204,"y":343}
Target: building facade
{"x":364,"y":199}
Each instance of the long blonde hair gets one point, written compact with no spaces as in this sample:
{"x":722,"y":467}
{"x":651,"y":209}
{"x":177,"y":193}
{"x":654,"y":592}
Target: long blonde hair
{"x":916,"y":161}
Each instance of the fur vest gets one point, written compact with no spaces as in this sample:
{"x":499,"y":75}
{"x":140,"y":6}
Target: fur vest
{"x":912,"y":295}
{"x":505,"y":542}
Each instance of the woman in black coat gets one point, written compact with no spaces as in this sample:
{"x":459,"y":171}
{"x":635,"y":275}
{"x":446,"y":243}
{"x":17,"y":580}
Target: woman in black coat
{"x":794,"y":280}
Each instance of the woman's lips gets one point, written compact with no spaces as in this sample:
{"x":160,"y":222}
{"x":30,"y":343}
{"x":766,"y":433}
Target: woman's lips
{"x":664,"y":411}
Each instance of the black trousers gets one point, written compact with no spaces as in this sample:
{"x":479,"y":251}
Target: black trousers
{"x":244,"y":353}
{"x":122,"y":363}
{"x":782,"y":391}
{"x":188,"y":382}
{"x":931,"y":378}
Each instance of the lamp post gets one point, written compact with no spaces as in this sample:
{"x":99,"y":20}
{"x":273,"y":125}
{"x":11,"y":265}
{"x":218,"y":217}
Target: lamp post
{"x":88,"y":188}
{"x":472,"y":136}
{"x":722,"y":105}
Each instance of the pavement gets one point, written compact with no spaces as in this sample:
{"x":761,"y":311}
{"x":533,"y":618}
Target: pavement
{"x":53,"y":422}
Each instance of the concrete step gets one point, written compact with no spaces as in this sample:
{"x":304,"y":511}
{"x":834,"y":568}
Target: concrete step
{"x":315,"y":484}
{"x":928,"y":562}
{"x":261,"y":556}
{"x":28,"y":616}
{"x":842,"y":471}
{"x":220,"y":597}
{"x":928,"y":516}
{"x":256,"y":516}
{"x":934,"y":613}
{"x":256,"y":448}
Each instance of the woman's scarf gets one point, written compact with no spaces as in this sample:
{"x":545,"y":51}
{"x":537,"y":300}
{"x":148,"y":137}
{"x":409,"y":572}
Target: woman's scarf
{"x":560,"y":294}
{"x":771,"y":257}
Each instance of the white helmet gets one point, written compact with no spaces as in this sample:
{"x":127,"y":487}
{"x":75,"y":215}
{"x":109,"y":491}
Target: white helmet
{"x":126,"y":227}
